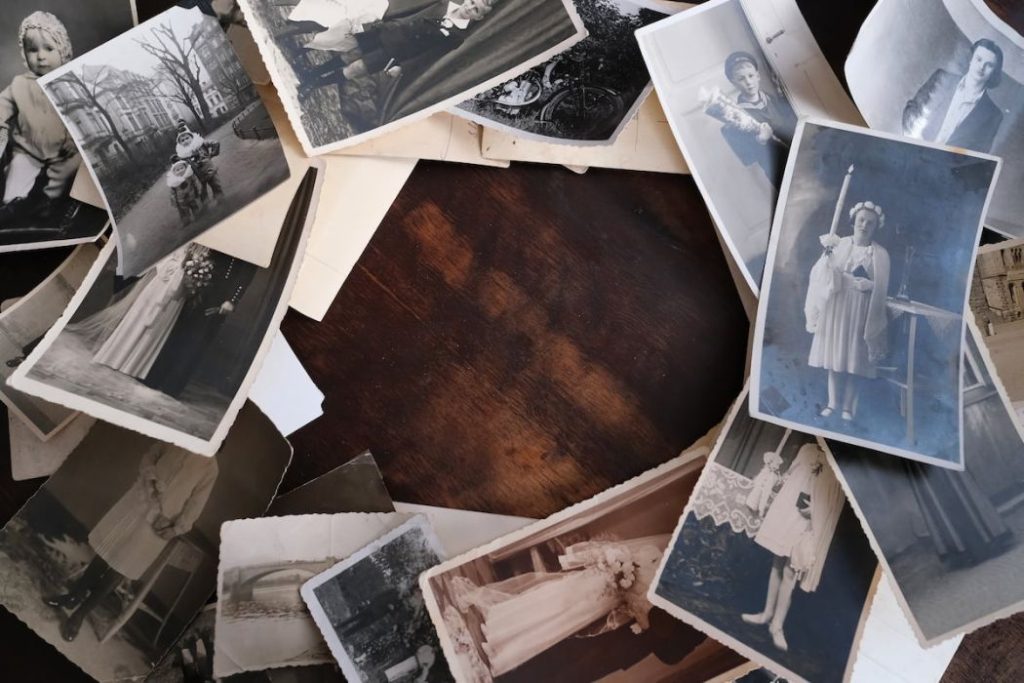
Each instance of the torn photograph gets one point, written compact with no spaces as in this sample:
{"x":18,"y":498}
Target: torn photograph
{"x":117,"y":552}
{"x":171,"y":129}
{"x":348,"y":71}
{"x":564,"y":599}
{"x":950,"y":541}
{"x":370,"y":610}
{"x":171,"y":353}
{"x":859,"y":329}
{"x":38,"y":157}
{"x":954,"y":75}
{"x":768,"y":557}
{"x":262,"y":622}
{"x":733,"y":78}
{"x":356,"y":486}
{"x":585,"y":95}
{"x":997,"y":301}
{"x":22,"y":327}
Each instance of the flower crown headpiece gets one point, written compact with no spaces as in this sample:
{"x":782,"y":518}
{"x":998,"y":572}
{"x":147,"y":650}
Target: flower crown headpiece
{"x":870,"y":206}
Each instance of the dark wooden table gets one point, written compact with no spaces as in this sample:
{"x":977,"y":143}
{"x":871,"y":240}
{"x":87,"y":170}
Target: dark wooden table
{"x":517,"y":340}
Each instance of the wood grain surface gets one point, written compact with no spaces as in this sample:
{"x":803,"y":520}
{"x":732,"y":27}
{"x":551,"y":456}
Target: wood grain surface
{"x":517,"y":340}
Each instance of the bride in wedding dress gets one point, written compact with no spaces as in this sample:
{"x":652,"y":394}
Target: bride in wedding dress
{"x":602,"y":587}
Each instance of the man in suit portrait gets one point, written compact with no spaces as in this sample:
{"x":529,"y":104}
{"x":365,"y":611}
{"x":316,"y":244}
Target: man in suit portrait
{"x":956,"y":110}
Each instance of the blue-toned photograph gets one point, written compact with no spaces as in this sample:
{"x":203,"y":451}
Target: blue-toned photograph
{"x":770,"y":556}
{"x":859,"y":337}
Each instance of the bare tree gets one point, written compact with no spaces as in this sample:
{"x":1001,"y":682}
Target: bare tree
{"x":179,"y":64}
{"x":89,"y":93}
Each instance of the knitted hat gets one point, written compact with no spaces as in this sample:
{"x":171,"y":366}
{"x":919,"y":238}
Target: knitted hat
{"x":49,"y":24}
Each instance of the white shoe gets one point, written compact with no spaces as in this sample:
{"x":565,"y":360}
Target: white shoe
{"x":759,"y":618}
{"x":778,"y":638}
{"x":847,"y":416}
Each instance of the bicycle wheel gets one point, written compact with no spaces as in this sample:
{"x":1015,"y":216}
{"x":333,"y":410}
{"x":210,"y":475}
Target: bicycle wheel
{"x":585,"y":111}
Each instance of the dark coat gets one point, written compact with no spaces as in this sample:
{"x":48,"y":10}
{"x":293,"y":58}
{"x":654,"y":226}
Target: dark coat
{"x":408,"y":30}
{"x":770,"y":156}
{"x":976,"y":132}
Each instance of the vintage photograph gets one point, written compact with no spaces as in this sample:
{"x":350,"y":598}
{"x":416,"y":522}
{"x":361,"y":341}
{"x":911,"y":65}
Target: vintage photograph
{"x":370,"y":610}
{"x":950,"y":541}
{"x":38,"y":157}
{"x":112,"y":558}
{"x":585,"y":95}
{"x":347,"y":71}
{"x":262,"y":622}
{"x":32,"y":457}
{"x":173,"y":352}
{"x":565,"y":598}
{"x":859,"y":332}
{"x":172,"y":130}
{"x":997,"y":301}
{"x":768,"y":557}
{"x":356,"y":486}
{"x":954,"y":75}
{"x":733,"y":108}
{"x":22,"y":327}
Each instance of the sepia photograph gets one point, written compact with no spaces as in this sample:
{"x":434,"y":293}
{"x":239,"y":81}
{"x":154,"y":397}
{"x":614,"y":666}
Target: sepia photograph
{"x":950,"y":541}
{"x":347,"y":71}
{"x":997,"y":301}
{"x":858,"y":335}
{"x":172,"y":131}
{"x":22,"y":327}
{"x":733,"y":107}
{"x":31,"y":457}
{"x":370,"y":610}
{"x":117,"y":552}
{"x":954,"y":75}
{"x":585,"y":95}
{"x":38,"y":157}
{"x":565,"y":598}
{"x":262,"y":622}
{"x":173,"y":352}
{"x":768,"y":557}
{"x":356,"y":486}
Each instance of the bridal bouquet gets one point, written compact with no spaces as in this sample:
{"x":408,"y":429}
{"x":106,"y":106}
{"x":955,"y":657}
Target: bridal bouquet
{"x":198,"y":269}
{"x":617,"y":562}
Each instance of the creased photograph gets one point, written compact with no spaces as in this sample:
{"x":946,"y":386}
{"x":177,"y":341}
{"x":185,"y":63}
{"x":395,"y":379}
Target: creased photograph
{"x":112,"y":558}
{"x":564,"y":599}
{"x":953,"y":75}
{"x":733,"y":78}
{"x":347,"y":71}
{"x":950,"y":541}
{"x":585,"y":95}
{"x":370,"y":610}
{"x":768,"y":557}
{"x":22,"y":327}
{"x":859,"y":329}
{"x":171,"y":353}
{"x":171,"y":129}
{"x":38,"y":157}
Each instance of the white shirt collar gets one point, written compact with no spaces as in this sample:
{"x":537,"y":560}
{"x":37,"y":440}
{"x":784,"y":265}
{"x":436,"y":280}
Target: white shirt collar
{"x":966,"y":96}
{"x":458,"y":23}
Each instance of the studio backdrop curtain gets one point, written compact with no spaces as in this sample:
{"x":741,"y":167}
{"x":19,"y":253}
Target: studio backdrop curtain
{"x":512,"y":32}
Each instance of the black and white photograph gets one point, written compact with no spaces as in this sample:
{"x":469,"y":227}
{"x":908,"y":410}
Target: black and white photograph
{"x":768,"y":557}
{"x":564,"y":599}
{"x":585,"y":95}
{"x":171,"y":129}
{"x":262,"y":622}
{"x":348,"y":71}
{"x":733,"y":101}
{"x":173,"y":352}
{"x":112,"y":558}
{"x":370,"y":610}
{"x":953,"y":75}
{"x":356,"y":486}
{"x":858,"y":335}
{"x":950,"y":541}
{"x":997,"y":302}
{"x":22,"y":327}
{"x":38,"y":157}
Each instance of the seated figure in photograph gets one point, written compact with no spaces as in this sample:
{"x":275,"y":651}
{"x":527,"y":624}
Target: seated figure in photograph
{"x":956,"y":110}
{"x":408,"y":30}
{"x":162,"y":504}
{"x":39,"y":156}
{"x":758,"y":126}
{"x":797,"y":528}
{"x":845,"y":309}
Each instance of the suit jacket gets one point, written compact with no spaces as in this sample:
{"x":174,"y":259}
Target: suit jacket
{"x":411,"y":29}
{"x":924,"y":114}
